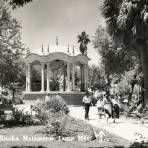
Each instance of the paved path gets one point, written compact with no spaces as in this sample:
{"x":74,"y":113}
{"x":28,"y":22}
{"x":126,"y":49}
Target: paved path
{"x":125,"y":128}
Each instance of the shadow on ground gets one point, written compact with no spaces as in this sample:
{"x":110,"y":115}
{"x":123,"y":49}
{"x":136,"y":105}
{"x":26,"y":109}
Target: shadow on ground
{"x":134,"y":145}
{"x":28,"y":147}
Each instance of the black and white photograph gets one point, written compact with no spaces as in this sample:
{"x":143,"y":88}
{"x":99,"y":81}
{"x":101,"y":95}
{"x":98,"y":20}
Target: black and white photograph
{"x":73,"y":73}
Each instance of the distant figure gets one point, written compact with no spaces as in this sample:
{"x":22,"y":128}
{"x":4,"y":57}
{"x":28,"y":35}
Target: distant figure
{"x":37,"y":101}
{"x":116,"y":107}
{"x":47,"y":97}
{"x":100,"y":106}
{"x":87,"y":103}
{"x":58,"y":96}
{"x":107,"y":107}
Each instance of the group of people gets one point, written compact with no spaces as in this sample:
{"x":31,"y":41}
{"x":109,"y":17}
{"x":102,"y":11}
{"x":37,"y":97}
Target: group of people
{"x":107,"y":105}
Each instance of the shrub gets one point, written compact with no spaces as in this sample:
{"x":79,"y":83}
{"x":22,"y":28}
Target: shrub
{"x":21,"y":117}
{"x":57,"y":104}
{"x":57,"y":125}
{"x":66,"y":126}
{"x":54,"y":105}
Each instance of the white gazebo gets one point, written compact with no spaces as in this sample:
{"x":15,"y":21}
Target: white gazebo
{"x":58,"y":57}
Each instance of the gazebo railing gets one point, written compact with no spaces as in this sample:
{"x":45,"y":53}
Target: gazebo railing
{"x":53,"y":87}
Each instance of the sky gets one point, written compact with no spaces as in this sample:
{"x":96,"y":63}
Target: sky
{"x":43,"y":20}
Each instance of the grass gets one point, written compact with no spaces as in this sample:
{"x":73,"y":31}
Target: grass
{"x":19,"y":132}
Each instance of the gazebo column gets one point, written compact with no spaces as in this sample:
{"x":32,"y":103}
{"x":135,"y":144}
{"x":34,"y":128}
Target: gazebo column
{"x":48,"y":78}
{"x":68,"y":76}
{"x":73,"y":77}
{"x":26,"y":78}
{"x":29,"y":77}
{"x":86,"y":76}
{"x":82,"y":77}
{"x":42,"y":78}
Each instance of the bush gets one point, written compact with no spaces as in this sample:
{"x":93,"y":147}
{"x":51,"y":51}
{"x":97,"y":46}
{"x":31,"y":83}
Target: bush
{"x":55,"y":104}
{"x":57,"y":125}
{"x":66,"y":126}
{"x":22,"y":118}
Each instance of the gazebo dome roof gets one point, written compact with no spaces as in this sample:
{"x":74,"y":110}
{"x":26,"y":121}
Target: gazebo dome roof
{"x":56,"y":52}
{"x":58,"y":48}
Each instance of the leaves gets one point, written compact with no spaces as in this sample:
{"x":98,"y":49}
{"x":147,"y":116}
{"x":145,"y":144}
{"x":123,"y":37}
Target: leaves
{"x":83,"y":39}
{"x":127,"y":21}
{"x":11,"y":47}
{"x":18,"y":3}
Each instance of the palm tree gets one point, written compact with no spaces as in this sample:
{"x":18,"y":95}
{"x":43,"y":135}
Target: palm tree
{"x":127,"y":23}
{"x":83,"y":39}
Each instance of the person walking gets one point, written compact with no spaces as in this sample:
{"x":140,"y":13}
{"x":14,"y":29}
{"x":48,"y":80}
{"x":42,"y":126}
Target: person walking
{"x":100,"y":106}
{"x":107,"y":107}
{"x":87,"y":101}
{"x":116,"y":107}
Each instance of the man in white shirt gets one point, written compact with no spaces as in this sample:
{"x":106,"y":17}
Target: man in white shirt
{"x":87,"y":103}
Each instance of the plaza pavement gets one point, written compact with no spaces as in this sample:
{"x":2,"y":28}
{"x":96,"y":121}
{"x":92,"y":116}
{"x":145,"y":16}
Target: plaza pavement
{"x":125,"y":128}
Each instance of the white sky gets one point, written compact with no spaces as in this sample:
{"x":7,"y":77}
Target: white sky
{"x":43,"y":20}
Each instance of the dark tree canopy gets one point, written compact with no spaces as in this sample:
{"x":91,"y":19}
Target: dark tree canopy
{"x":127,"y":23}
{"x":18,"y":3}
{"x":115,"y":58}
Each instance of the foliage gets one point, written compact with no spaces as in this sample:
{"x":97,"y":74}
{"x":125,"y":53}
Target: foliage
{"x":127,"y":22}
{"x":54,"y":104}
{"x":138,"y":145}
{"x":2,"y":116}
{"x":57,"y":125}
{"x":66,"y":126}
{"x":125,"y":82}
{"x":18,"y":3}
{"x":114,"y":58}
{"x":96,"y":77}
{"x":83,"y":39}
{"x":11,"y":48}
{"x":22,"y":117}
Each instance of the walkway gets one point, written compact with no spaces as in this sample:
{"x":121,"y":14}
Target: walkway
{"x":125,"y":128}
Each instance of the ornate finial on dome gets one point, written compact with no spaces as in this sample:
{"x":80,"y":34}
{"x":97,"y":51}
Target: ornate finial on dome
{"x":57,"y":42}
{"x":48,"y":48}
{"x":73,"y":50}
{"x":68,"y":48}
{"x":42,"y":49}
{"x":28,"y":51}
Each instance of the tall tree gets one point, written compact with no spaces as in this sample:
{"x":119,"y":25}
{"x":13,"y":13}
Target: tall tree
{"x":115,"y":58}
{"x":127,"y":22}
{"x":83,"y":39}
{"x":11,"y":48}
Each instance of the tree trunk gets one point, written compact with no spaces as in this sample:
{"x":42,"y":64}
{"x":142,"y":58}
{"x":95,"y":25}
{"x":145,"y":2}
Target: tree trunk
{"x":64,"y":80}
{"x":144,"y":61}
{"x":131,"y":93}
